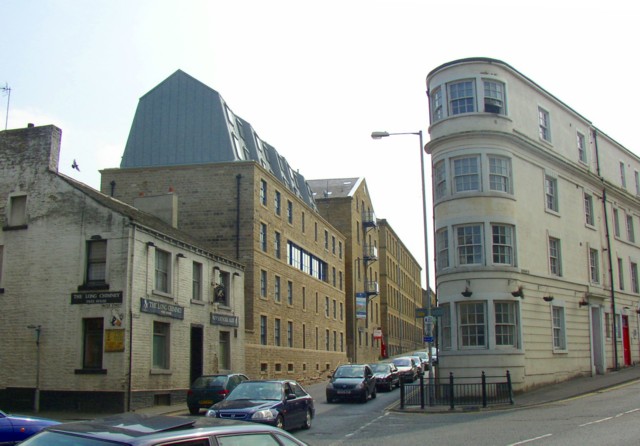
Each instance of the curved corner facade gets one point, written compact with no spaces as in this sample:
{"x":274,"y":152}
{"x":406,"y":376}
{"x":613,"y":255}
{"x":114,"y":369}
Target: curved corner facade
{"x":535,"y":213}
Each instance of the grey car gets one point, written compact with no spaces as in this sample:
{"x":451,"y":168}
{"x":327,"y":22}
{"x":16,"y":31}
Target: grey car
{"x":351,"y":381}
{"x":138,"y":430}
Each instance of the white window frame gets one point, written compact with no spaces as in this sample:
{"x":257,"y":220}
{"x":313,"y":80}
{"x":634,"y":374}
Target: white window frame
{"x":472,"y":325}
{"x":162,"y":276}
{"x":494,"y":97}
{"x":551,"y":194}
{"x":506,"y":324}
{"x":620,"y":273}
{"x":544,"y":124}
{"x":437,"y":106}
{"x":503,"y":244}
{"x":589,"y":217}
{"x":616,"y":223}
{"x":469,"y":244}
{"x":633,"y":274}
{"x":559,"y":331}
{"x":581,"y":142}
{"x":500,"y":173}
{"x":631,"y":233}
{"x":445,"y":327}
{"x":466,"y":174}
{"x":161,"y":357}
{"x":623,"y":175}
{"x":594,"y":265}
{"x":442,"y":248}
{"x":440,"y":179}
{"x":555,"y":256}
{"x":462,"y":97}
{"x":196,"y":281}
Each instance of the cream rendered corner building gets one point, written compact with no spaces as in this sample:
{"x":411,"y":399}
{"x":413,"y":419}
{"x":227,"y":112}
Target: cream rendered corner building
{"x":536,"y":245}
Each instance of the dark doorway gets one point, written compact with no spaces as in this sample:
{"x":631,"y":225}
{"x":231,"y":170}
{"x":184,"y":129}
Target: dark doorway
{"x":195,"y":369}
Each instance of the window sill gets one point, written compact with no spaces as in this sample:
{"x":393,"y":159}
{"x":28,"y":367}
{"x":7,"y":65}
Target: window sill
{"x":90,"y":371}
{"x":161,"y":294}
{"x":160,"y":372}
{"x":197,"y":302}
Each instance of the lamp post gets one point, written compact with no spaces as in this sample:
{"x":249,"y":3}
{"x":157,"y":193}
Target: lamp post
{"x":36,"y":402}
{"x":380,"y":135}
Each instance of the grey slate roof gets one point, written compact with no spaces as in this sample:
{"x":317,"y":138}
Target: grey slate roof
{"x":183,"y":121}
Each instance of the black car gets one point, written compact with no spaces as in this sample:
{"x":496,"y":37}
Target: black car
{"x":281,"y":403}
{"x":210,"y":389}
{"x":351,"y":381}
{"x":132,"y":429}
{"x":386,"y":375}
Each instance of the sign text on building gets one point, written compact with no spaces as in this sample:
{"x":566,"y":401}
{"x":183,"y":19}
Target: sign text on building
{"x":161,"y":308}
{"x":103,"y":297}
{"x":224,"y":319}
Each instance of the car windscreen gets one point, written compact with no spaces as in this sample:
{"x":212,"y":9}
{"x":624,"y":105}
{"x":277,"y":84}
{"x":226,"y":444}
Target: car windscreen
{"x":379,"y":368}
{"x":61,"y":439}
{"x":349,"y":372}
{"x":256,"y":390}
{"x":402,"y":362}
{"x":205,"y":382}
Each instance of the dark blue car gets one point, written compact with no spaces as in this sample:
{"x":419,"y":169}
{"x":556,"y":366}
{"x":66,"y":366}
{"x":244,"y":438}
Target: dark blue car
{"x":15,"y":428}
{"x":281,"y":403}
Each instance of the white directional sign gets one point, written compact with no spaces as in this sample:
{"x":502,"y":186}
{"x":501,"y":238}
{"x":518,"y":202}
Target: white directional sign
{"x":428,"y":325}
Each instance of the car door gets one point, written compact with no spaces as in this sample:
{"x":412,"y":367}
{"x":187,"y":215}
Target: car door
{"x":370,"y":381}
{"x":295,"y":406}
{"x":6,"y":430}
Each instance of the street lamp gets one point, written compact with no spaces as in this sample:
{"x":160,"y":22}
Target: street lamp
{"x":380,"y":135}
{"x":36,"y":402}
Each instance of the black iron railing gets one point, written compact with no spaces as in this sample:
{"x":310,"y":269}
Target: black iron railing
{"x":490,"y":390}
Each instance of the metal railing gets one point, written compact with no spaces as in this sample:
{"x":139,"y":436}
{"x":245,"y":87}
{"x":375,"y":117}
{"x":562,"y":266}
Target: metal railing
{"x":490,"y":390}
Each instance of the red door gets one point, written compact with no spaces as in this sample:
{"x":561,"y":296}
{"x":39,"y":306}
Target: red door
{"x":626,"y":345}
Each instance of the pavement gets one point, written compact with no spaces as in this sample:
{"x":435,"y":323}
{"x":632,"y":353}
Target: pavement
{"x":542,"y":395}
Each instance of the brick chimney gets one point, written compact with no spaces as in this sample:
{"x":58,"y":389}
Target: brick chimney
{"x":38,"y":147}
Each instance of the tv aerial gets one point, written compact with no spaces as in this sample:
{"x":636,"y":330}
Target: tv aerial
{"x":6,"y":90}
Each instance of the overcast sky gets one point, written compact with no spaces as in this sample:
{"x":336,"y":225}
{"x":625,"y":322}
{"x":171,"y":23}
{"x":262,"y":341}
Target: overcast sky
{"x":314,"y":78}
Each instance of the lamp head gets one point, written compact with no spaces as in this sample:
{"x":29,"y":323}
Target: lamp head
{"x":379,"y":135}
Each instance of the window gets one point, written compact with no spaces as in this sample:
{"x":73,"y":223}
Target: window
{"x":304,"y":298}
{"x":263,"y":284}
{"x":326,"y":340}
{"x":631,"y":235}
{"x":594,"y":266}
{"x":289,"y":292}
{"x":461,"y":97}
{"x":472,"y":324}
{"x":494,"y":97}
{"x":263,"y":237}
{"x":466,"y":174}
{"x":634,"y":278}
{"x":335,"y":309}
{"x":1,"y":258}
{"x":18,"y":210}
{"x":436,"y":105}
{"x":440,"y":179}
{"x":224,"y":351}
{"x":263,"y":192}
{"x":277,"y":202}
{"x":554,"y":257}
{"x":326,"y":240}
{"x":582,"y":147}
{"x":96,"y":262}
{"x":304,"y":336}
{"x":161,"y":345}
{"x":326,"y":306}
{"x":559,"y":342}
{"x":276,"y":289}
{"x":623,"y":176}
{"x":263,"y":330}
{"x":277,"y":245}
{"x":551,"y":193}
{"x":620,"y":273}
{"x":196,"y":281}
{"x":341,"y":312}
{"x":289,"y":334}
{"x":276,"y":332}
{"x":442,"y":248}
{"x":289,"y":211}
{"x":588,"y":210}
{"x":500,"y":174}
{"x":616,"y":223}
{"x":163,"y":261}
{"x":505,"y":318}
{"x":93,"y":341}
{"x":469,"y":240}
{"x":340,"y":249}
{"x":544,"y":124}
{"x":303,"y":222}
{"x":502,"y":244}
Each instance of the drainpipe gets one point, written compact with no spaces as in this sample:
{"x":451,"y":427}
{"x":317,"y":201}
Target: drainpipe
{"x":608,"y":238}
{"x":132,"y":241}
{"x":238,"y":177}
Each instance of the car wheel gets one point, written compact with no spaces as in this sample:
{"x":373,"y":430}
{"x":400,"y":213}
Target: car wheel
{"x":390,"y":388}
{"x":365,"y":396}
{"x":194,"y":410}
{"x":374,"y":393}
{"x":307,"y":420}
{"x":280,"y":422}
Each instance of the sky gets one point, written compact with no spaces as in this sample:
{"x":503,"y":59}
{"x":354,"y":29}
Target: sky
{"x":314,"y":78}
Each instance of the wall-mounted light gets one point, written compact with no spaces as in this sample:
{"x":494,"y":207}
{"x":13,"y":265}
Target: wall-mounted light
{"x":236,"y":274}
{"x":181,"y":256}
{"x":547,"y":298}
{"x":518,"y":293}
{"x":467,"y":292}
{"x":583,"y":302}
{"x":150,"y":244}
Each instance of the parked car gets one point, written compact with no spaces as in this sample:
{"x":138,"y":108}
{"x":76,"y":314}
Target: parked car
{"x":407,"y":368}
{"x":424,"y":355}
{"x":281,"y":403}
{"x":132,"y":429}
{"x":210,"y":389}
{"x":16,"y":428}
{"x":424,"y":359}
{"x":351,"y":381}
{"x":386,"y":375}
